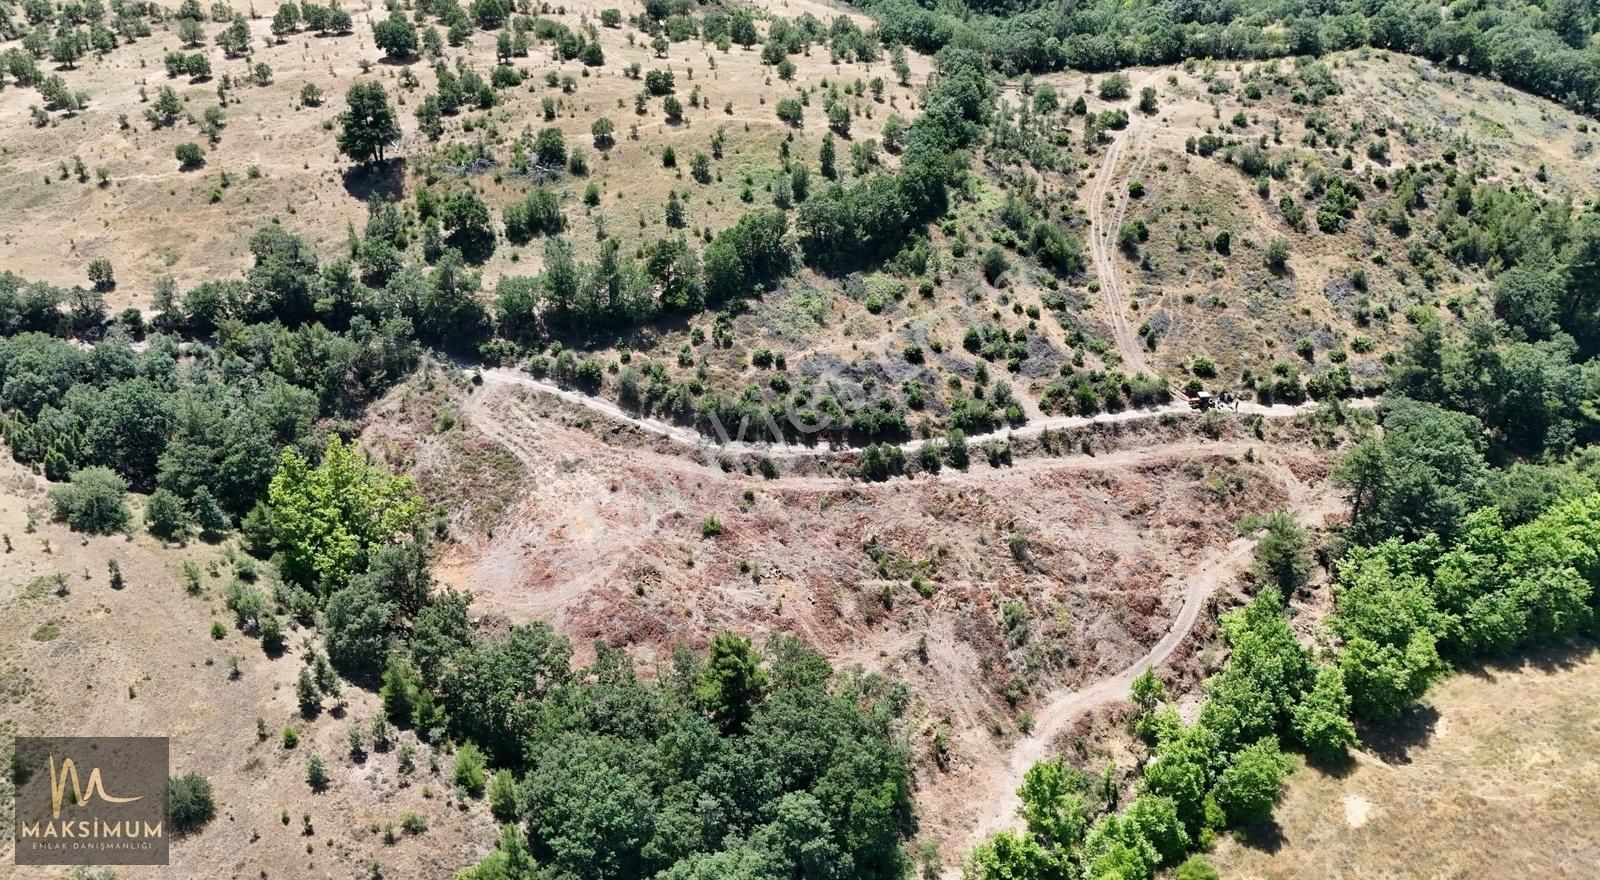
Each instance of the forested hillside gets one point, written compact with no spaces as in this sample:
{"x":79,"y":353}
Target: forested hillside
{"x":245,"y":242}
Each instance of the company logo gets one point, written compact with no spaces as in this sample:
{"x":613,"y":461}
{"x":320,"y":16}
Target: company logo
{"x":90,"y":800}
{"x":69,"y":771}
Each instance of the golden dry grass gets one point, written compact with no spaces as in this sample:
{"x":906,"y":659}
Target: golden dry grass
{"x":1494,"y":777}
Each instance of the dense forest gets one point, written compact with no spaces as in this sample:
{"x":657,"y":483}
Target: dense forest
{"x":1544,"y":48}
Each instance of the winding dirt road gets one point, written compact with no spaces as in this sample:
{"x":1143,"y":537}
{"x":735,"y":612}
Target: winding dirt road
{"x":1059,"y":711}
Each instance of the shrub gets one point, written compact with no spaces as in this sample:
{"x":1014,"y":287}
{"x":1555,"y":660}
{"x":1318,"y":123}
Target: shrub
{"x":791,"y":111}
{"x":1114,"y":87}
{"x":165,"y":515}
{"x":316,"y":772}
{"x":994,"y":264}
{"x":189,"y":156}
{"x":469,"y":770}
{"x":1277,"y":254}
{"x":92,"y":501}
{"x":101,"y":274}
{"x":190,"y":803}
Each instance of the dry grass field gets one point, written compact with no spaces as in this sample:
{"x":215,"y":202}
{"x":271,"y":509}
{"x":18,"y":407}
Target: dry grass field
{"x":1492,"y":777}
{"x":276,"y":159}
{"x":78,"y":656}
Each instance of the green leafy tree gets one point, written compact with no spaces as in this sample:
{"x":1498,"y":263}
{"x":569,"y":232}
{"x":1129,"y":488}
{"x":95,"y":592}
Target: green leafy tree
{"x":369,"y":125}
{"x":1053,"y":804}
{"x":165,"y":515}
{"x":325,"y":519}
{"x":396,"y":36}
{"x":1247,"y":790}
{"x":92,"y":501}
{"x":190,"y":802}
{"x":1283,"y":553}
{"x":1322,"y":717}
{"x":356,"y":625}
{"x":732,"y":683}
{"x":1422,"y":476}
{"x":468,"y":770}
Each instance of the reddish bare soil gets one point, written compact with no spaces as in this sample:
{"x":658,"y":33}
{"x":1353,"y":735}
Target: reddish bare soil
{"x":601,"y":532}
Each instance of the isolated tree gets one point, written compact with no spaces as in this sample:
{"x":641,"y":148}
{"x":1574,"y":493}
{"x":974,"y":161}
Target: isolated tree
{"x":235,"y":38}
{"x":165,"y":109}
{"x":604,"y":132}
{"x":396,"y":36}
{"x":839,"y":119}
{"x":550,"y":148}
{"x":92,"y":501}
{"x":429,"y":120}
{"x":1045,"y":99}
{"x":190,"y":802}
{"x":190,"y":32}
{"x":316,"y":772}
{"x":189,"y":156}
{"x":897,"y":62}
{"x":1277,"y":254}
{"x":1114,"y":87}
{"x":369,"y":126}
{"x":101,"y":275}
{"x":67,"y":48}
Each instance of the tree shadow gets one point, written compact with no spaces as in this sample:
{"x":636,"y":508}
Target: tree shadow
{"x":1394,"y":741}
{"x":1337,"y":767}
{"x":1268,"y":836}
{"x":386,"y":179}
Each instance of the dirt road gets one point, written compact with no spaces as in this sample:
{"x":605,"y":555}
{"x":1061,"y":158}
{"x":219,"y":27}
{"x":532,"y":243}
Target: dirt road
{"x":502,"y":421}
{"x":1104,"y":224}
{"x":503,"y":376}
